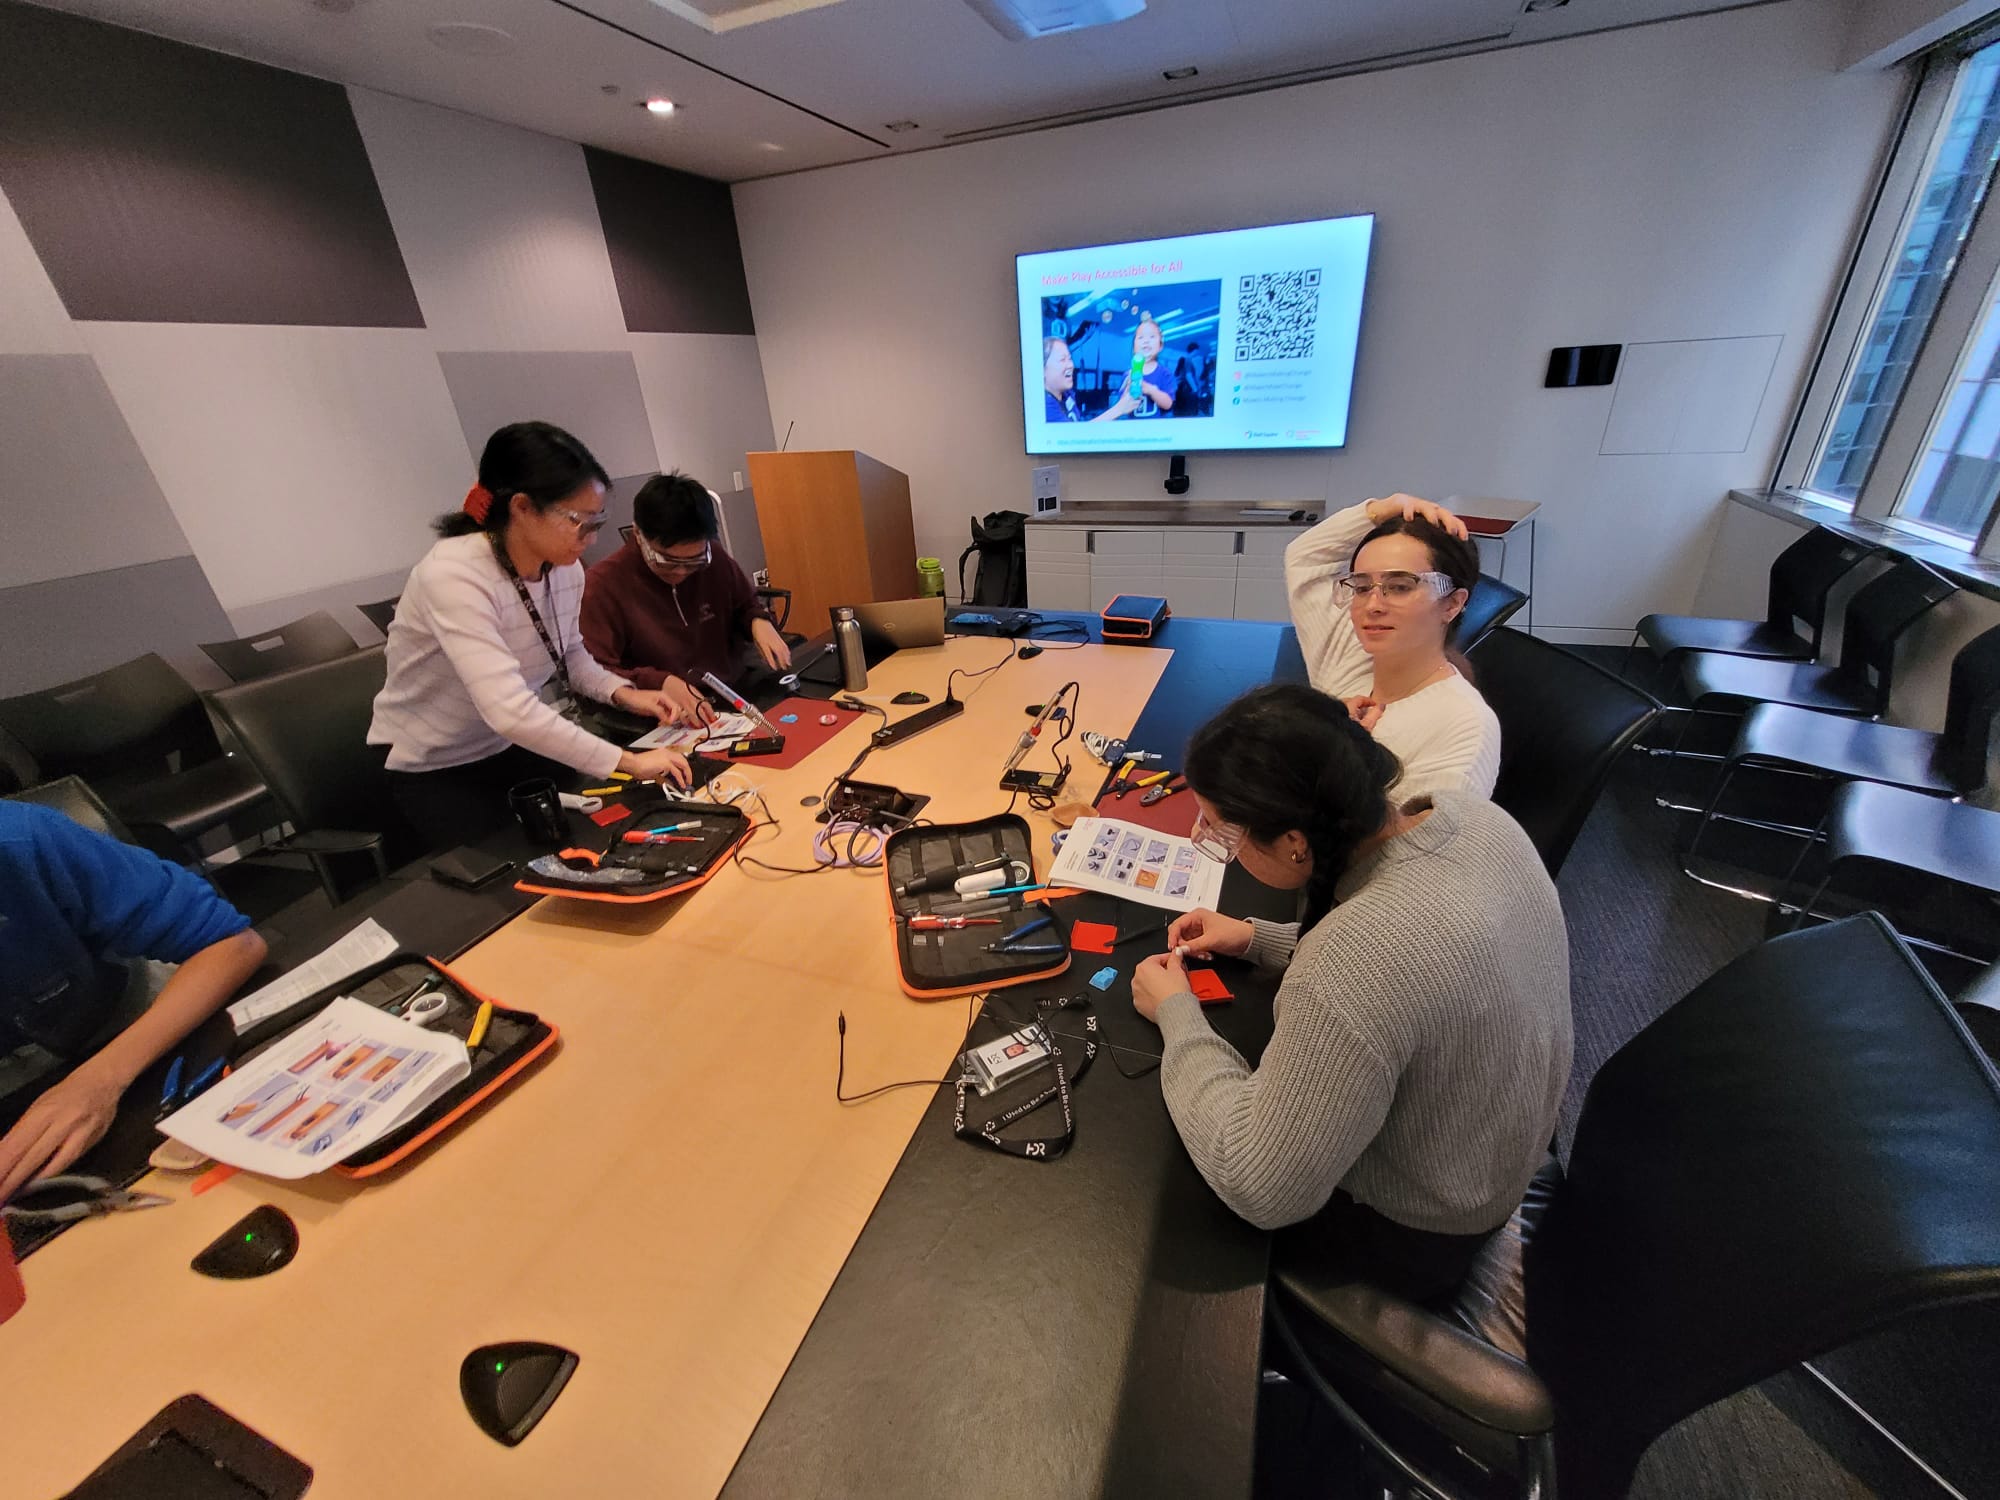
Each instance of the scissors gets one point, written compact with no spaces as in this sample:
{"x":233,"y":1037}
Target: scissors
{"x":65,"y":1199}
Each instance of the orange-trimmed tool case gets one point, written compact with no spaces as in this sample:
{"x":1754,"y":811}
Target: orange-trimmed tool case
{"x":653,"y":871}
{"x":934,"y":965}
{"x":1134,"y":617}
{"x":514,"y":1040}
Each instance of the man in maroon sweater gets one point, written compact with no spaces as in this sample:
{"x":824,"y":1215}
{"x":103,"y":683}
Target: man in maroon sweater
{"x":671,"y":604}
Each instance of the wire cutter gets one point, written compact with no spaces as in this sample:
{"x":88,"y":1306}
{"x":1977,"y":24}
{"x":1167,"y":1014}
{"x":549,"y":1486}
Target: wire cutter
{"x":1163,"y":791}
{"x":65,"y":1199}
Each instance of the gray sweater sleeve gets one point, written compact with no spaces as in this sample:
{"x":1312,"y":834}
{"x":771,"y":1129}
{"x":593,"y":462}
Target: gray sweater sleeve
{"x":1274,"y":1143}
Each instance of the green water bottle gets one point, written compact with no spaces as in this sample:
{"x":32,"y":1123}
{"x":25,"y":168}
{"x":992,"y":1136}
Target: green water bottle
{"x":1138,"y":378}
{"x":930,"y":578}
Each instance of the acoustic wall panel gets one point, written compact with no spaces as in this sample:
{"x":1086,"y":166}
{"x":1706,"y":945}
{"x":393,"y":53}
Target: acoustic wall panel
{"x":76,"y":495}
{"x":595,"y":396}
{"x":497,"y":226}
{"x":705,"y":398}
{"x":32,"y":317}
{"x":294,"y":457}
{"x":1690,"y":395}
{"x":163,"y":183}
{"x":70,"y":627}
{"x":674,"y":250}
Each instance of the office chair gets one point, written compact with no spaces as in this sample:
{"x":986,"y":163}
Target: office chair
{"x":310,"y":638}
{"x":306,"y":732}
{"x":1795,"y":1155}
{"x":139,"y":735}
{"x":1490,"y":605}
{"x":72,"y":797}
{"x":1951,"y":763}
{"x":1564,"y":722}
{"x":1794,"y":623}
{"x":380,"y":613}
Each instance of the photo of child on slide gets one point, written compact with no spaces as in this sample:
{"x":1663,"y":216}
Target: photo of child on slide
{"x":1135,"y":353}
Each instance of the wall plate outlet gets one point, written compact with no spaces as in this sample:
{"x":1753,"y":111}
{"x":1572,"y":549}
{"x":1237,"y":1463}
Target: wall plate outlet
{"x":1046,"y":494}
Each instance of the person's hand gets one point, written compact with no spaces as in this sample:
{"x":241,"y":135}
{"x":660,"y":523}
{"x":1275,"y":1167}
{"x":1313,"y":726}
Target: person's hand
{"x":1124,"y":406}
{"x":672,"y":702}
{"x":57,"y":1128}
{"x":770,"y":645}
{"x":1409,"y":506}
{"x":1203,"y":931}
{"x":1158,"y":396}
{"x":656,"y":765}
{"x":1156,"y":979}
{"x":1365,"y":711}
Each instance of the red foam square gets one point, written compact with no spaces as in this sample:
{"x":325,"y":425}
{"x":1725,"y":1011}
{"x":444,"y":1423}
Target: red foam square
{"x":1207,"y":986}
{"x":1091,"y":937}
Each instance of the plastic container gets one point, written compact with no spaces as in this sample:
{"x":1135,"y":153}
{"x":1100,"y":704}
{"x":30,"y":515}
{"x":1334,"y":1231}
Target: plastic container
{"x":930,"y":578}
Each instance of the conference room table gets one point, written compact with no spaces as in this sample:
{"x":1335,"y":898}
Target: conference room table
{"x":771,"y":1292}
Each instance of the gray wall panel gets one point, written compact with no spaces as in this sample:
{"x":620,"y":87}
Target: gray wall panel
{"x":70,"y":627}
{"x":595,"y":396}
{"x":161,"y":183}
{"x":674,"y":250}
{"x":76,"y":494}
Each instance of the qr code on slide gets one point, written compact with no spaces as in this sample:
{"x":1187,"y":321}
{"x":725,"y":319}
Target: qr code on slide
{"x":1275,"y":314}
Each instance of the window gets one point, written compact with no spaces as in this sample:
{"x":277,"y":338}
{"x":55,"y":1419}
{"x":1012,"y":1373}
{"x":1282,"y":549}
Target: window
{"x":1908,"y":428}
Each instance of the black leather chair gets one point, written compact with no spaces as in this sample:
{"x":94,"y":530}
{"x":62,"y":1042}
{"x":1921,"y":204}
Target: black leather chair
{"x":306,"y":732}
{"x":72,"y":797}
{"x":139,"y":735}
{"x":1490,"y":605}
{"x":1796,"y":1155}
{"x":1947,"y":764}
{"x":1802,"y":576}
{"x":310,"y":638}
{"x":380,"y":613}
{"x":1564,"y":722}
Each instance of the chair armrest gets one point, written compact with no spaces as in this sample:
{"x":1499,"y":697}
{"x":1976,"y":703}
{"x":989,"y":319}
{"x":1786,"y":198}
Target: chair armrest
{"x":328,"y":841}
{"x":1435,"y":1356}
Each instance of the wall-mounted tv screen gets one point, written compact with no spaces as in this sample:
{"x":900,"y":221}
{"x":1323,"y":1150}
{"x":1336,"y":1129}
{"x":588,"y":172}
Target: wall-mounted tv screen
{"x":1242,"y":339}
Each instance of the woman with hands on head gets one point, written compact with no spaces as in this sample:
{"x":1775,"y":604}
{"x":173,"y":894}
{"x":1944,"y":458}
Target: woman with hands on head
{"x":1422,"y":1028}
{"x":1375,"y":592}
{"x":485,"y":657}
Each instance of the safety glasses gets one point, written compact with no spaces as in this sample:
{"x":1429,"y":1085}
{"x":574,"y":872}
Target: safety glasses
{"x":661,"y":559}
{"x":585,"y":525}
{"x":1219,"y":841}
{"x":1396,"y":587}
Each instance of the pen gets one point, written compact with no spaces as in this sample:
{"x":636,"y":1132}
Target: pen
{"x":170,"y":1090}
{"x":680,"y":827}
{"x":479,"y":1024}
{"x":1133,"y":937}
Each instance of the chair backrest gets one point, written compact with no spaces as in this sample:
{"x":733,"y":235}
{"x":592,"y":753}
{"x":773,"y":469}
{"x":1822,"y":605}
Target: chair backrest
{"x":1564,"y":722}
{"x":380,"y":613}
{"x":1802,"y":577}
{"x":308,"y":639}
{"x":1878,"y":614}
{"x":1490,"y":605}
{"x":306,"y":733}
{"x":121,"y":722}
{"x":72,"y":796}
{"x":1796,"y":1154}
{"x":1970,"y":704}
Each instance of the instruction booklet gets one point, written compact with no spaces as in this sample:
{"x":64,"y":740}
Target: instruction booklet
{"x":1140,"y":864}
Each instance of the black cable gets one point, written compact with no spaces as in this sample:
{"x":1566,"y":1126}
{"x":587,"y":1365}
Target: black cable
{"x":957,"y":672}
{"x":840,"y":1073}
{"x":994,"y":1003}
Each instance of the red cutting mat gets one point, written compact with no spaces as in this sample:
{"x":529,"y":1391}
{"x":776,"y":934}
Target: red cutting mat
{"x":1173,"y":816}
{"x":804,"y":737}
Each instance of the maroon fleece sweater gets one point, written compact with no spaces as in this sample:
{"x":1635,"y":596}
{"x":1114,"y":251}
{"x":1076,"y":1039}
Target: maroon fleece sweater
{"x":646,"y":629}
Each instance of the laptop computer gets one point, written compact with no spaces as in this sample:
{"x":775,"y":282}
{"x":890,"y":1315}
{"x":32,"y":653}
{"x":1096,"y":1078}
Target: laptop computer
{"x":899,"y":624}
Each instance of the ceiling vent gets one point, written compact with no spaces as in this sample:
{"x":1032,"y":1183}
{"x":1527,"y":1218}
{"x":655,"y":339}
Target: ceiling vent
{"x":723,"y":16}
{"x":1030,"y":20}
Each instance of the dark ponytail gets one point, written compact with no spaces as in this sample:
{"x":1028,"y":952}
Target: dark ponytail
{"x":534,"y":459}
{"x":1287,"y":757}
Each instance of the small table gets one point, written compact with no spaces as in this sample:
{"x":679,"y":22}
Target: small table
{"x":1491,"y":519}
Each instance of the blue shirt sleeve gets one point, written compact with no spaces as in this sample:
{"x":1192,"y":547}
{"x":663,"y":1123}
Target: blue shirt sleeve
{"x":122,"y":901}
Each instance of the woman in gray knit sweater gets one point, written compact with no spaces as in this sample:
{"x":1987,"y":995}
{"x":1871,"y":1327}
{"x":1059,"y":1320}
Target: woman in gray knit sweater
{"x":1422,"y":1029}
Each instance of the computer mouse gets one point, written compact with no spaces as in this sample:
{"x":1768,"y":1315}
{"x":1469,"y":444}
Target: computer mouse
{"x":909,"y":698}
{"x":262,"y":1241}
{"x":1029,"y":653}
{"x":508,"y":1388}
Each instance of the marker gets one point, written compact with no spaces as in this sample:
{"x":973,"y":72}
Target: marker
{"x":479,"y":1024}
{"x":680,"y":827}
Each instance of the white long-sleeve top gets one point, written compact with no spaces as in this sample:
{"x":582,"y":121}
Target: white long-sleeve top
{"x":467,"y":666}
{"x":1445,"y":735}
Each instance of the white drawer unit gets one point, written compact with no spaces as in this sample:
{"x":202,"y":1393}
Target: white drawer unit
{"x":1202,"y":572}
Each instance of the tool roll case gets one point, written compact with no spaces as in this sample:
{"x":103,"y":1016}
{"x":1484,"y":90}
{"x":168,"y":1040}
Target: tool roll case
{"x":933,"y":965}
{"x":631,"y":873}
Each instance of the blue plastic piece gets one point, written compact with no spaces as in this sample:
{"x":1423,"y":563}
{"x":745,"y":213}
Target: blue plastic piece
{"x":788,"y":718}
{"x":1103,"y":979}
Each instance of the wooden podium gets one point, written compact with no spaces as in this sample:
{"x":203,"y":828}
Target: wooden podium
{"x":837,"y":530}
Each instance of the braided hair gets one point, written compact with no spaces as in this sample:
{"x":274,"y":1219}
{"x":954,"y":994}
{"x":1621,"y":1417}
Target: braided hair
{"x":1287,"y":757}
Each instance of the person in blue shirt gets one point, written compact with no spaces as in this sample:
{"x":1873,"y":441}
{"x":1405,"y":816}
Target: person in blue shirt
{"x":1059,"y":388}
{"x":74,"y":905}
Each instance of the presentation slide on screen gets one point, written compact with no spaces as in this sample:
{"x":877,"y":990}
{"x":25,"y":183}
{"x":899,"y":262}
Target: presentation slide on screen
{"x":1243,"y":339}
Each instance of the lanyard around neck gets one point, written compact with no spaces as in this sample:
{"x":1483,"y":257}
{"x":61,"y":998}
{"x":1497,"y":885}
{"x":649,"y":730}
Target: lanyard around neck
{"x":535,"y":615}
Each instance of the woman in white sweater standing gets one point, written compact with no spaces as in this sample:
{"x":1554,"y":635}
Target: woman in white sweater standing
{"x":485,"y":659}
{"x":1375,"y":590}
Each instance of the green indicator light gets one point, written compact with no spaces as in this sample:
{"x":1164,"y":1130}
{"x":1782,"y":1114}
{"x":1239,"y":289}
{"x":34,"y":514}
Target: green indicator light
{"x":499,"y":1365}
{"x":250,"y":1238}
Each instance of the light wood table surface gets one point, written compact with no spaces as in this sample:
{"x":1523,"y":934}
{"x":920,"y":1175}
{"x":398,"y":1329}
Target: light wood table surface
{"x":670,"y":1196}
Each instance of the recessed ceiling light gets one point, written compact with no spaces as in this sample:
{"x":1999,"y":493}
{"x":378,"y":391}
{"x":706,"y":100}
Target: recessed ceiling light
{"x":769,"y":146}
{"x":1535,"y":7}
{"x":899,"y":126}
{"x":658,"y":106}
{"x":1175,"y":75}
{"x":470,"y":39}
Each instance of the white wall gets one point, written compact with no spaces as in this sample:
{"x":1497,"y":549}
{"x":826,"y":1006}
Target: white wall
{"x":1882,"y":32}
{"x":1693,"y":180}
